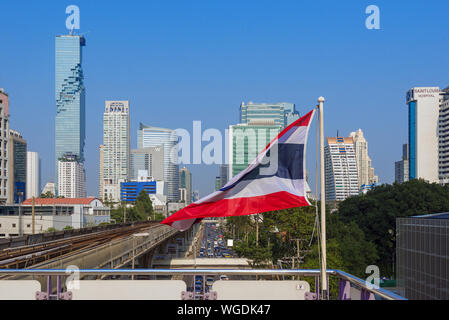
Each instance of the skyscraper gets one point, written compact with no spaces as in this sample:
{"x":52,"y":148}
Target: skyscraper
{"x":246,"y":141}
{"x":423,"y":128}
{"x":341,"y":175}
{"x":17,"y":167}
{"x":282,"y":114}
{"x":72,"y":178}
{"x":148,"y":136}
{"x":224,"y":174}
{"x":70,"y":121}
{"x":365,"y":170}
{"x":4,"y":136}
{"x":185,"y":182}
{"x":115,"y":148}
{"x":401,"y":167}
{"x":33,"y":182}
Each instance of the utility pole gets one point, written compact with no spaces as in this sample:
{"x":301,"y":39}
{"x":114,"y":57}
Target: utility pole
{"x":257,"y":229}
{"x":32,"y":216}
{"x":124,"y":212}
{"x":20,"y":194}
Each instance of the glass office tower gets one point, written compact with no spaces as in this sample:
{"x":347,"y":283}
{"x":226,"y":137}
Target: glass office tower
{"x":70,"y":98}
{"x":185,"y":182}
{"x":282,"y":114}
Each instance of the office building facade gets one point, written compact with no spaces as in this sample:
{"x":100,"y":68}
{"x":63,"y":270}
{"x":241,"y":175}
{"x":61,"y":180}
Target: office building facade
{"x":423,"y":128}
{"x":148,"y":136}
{"x":341,"y":174}
{"x":185,"y":183}
{"x":70,"y":121}
{"x":401,"y":167}
{"x":33,"y":180}
{"x":4,"y":138}
{"x":71,"y":177}
{"x":150,"y":159}
{"x":17,"y":167}
{"x":130,"y":190}
{"x":224,"y":174}
{"x":116,"y":148}
{"x":365,"y":171}
{"x":281,"y":114}
{"x":246,"y":141}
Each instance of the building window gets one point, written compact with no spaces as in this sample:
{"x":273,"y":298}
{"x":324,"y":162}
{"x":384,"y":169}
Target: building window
{"x":13,"y":225}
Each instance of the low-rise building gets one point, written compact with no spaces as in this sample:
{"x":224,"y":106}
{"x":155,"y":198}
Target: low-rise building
{"x":56,"y":213}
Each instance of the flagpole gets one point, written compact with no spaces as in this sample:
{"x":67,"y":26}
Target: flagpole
{"x":324,"y":288}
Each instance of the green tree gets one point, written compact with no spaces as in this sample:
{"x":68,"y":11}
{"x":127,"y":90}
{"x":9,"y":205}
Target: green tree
{"x":68,"y":228}
{"x":51,"y":229}
{"x":159,"y":216}
{"x":47,"y":194}
{"x":143,"y":206}
{"x":375,"y":213}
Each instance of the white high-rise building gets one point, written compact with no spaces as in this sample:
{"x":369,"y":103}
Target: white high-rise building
{"x":341,"y":175}
{"x":423,"y":123}
{"x":148,"y":136}
{"x":365,"y":170}
{"x":116,"y":148}
{"x":71,"y":177}
{"x":33,"y":184}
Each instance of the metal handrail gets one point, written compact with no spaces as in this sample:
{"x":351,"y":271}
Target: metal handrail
{"x":385,"y":294}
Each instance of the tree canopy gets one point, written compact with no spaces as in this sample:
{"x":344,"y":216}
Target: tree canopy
{"x":141,"y":210}
{"x":375,"y":213}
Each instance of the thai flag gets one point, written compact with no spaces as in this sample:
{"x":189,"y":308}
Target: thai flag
{"x":275,"y":180}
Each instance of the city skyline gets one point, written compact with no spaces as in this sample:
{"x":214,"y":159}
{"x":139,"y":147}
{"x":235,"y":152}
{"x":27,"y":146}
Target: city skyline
{"x":361,"y":68}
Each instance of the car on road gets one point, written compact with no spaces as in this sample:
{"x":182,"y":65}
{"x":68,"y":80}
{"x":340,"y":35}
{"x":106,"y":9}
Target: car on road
{"x":210,"y":280}
{"x":224,"y":277}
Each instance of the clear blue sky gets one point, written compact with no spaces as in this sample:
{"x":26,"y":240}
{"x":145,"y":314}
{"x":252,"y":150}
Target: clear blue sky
{"x":179,"y":61}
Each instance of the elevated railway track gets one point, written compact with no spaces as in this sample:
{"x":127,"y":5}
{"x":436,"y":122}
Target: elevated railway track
{"x":34,"y":254}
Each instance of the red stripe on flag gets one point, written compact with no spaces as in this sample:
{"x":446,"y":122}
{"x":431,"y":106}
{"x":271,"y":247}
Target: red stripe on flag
{"x":239,"y":206}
